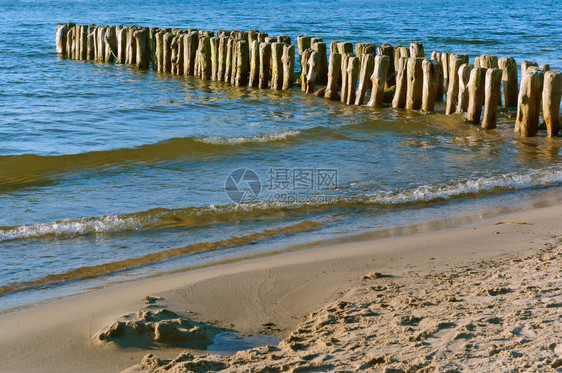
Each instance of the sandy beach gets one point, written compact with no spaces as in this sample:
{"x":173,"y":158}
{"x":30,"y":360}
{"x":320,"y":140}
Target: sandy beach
{"x":483,"y":297}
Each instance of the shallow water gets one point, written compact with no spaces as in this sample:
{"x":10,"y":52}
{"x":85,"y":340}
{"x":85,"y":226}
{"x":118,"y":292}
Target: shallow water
{"x":110,"y":173}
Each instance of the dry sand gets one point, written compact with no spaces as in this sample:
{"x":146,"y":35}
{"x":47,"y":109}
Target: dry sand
{"x":484,"y":298}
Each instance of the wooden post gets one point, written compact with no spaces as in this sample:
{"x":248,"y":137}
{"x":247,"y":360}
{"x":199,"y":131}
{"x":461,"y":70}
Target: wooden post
{"x":77,"y":43}
{"x":242,"y":65}
{"x":100,"y":50}
{"x":221,"y":59}
{"x":455,"y":62}
{"x":353,"y":66}
{"x":288,"y":66}
{"x":110,"y":40}
{"x":529,"y":101}
{"x":416,"y":50}
{"x":284,"y":39}
{"x":344,"y":62}
{"x":121,"y":37}
{"x":476,"y":85}
{"x":399,"y":100}
{"x":303,"y":43}
{"x":83,"y":55}
{"x":431,"y":72}
{"x":254,"y":64}
{"x":378,"y":80}
{"x":492,"y":96}
{"x":204,"y":55}
{"x":229,"y":57}
{"x":445,"y":71}
{"x":304,"y":71}
{"x":276,"y":66}
{"x":141,"y":43}
{"x":545,"y":67}
{"x":214,"y":57}
{"x":486,"y":61}
{"x":320,"y":47}
{"x":509,"y":81}
{"x":367,"y":68}
{"x":387,"y":50}
{"x":262,"y":36}
{"x":551,"y":95}
{"x":68,"y":47}
{"x":398,"y":49}
{"x":91,"y":44}
{"x":363,"y":49}
{"x":152,"y":45}
{"x":61,"y":38}
{"x":464,"y":77}
{"x":167,"y":52}
{"x":345,"y":48}
{"x":180,"y":63}
{"x":414,"y":88}
{"x":334,"y":74}
{"x":265,"y":63}
{"x":190,"y":46}
{"x":437,"y":57}
{"x":312,"y":70}
{"x":132,"y":47}
{"x":524,"y":66}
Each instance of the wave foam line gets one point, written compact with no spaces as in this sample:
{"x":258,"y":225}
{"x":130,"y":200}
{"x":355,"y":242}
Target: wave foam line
{"x":252,"y":139}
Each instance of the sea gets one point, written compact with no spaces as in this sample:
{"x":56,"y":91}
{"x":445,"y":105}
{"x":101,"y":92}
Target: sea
{"x":110,"y":174}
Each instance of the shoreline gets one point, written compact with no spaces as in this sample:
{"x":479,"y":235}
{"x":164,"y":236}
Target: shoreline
{"x":247,"y":295}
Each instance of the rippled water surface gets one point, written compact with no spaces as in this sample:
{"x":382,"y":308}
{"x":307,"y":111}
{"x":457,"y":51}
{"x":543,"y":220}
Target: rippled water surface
{"x":109,"y":173}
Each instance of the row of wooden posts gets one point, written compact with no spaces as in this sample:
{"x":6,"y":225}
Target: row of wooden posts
{"x":252,"y":58}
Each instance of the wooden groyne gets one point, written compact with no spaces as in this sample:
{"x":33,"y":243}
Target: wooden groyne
{"x":396,"y":75}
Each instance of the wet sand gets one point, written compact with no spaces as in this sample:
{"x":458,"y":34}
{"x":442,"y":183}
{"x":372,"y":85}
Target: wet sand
{"x":485,"y":297}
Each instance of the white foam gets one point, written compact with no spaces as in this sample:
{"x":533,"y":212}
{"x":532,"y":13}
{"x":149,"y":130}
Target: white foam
{"x":256,"y":139}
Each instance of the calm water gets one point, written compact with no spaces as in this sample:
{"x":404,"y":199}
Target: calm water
{"x":109,"y":173}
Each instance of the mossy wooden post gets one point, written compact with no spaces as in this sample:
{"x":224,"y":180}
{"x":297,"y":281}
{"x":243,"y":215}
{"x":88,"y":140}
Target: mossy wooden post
{"x":437,"y":57}
{"x":455,"y":62}
{"x":265,"y":63}
{"x":277,"y":66}
{"x":303,"y":43}
{"x":487,"y":61}
{"x":399,"y":100}
{"x":551,"y":94}
{"x":61,"y":38}
{"x":320,"y":47}
{"x":288,"y":66}
{"x":262,"y":36}
{"x":431,"y":72}
{"x":476,"y":85}
{"x":180,"y":64}
{"x":464,"y":77}
{"x":229,"y":53}
{"x":530,"y":97}
{"x":110,"y":39}
{"x":387,"y":50}
{"x":416,"y":50}
{"x":367,"y":68}
{"x":214,"y":57}
{"x":509,"y":81}
{"x":545,"y":67}
{"x":252,"y":36}
{"x":379,"y":79}
{"x":414,"y":89}
{"x":285,"y":39}
{"x":204,"y":52}
{"x":221,"y":61}
{"x":270,"y":40}
{"x":312,"y":70}
{"x":491,"y":97}
{"x":254,"y":78}
{"x":353,"y":66}
{"x":141,"y":42}
{"x":344,"y":62}
{"x":345,"y":48}
{"x":334,"y":74}
{"x":445,"y":72}
{"x":190,"y":45}
{"x":242,"y":64}
{"x":167,"y":45}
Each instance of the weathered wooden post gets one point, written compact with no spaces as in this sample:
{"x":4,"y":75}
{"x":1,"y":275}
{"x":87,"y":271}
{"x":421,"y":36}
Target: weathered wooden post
{"x":190,"y":46}
{"x":353,"y":67}
{"x":509,"y":81}
{"x":334,"y":74}
{"x":152,"y":45}
{"x":303,"y":43}
{"x":221,"y":33}
{"x":492,"y":96}
{"x":277,"y":66}
{"x":234,"y":62}
{"x":214,"y":57}
{"x":320,"y":48}
{"x":464,"y":77}
{"x":100,"y":49}
{"x":242,"y":65}
{"x":61,"y":38}
{"x":445,"y":72}
{"x":204,"y":54}
{"x":132,"y":47}
{"x":229,"y":57}
{"x":476,"y":85}
{"x":262,"y":36}
{"x":159,"y":53}
{"x":254,"y":78}
{"x":362,"y":49}
{"x":551,"y":95}
{"x":252,"y":36}
{"x":110,"y":40}
{"x":367,"y":68}
{"x":69,"y":43}
{"x":529,"y":101}
{"x":387,"y":50}
{"x":288,"y":66}
{"x":431,"y":72}
{"x":312,"y":70}
{"x":455,"y":62}
{"x":416,"y":50}
{"x":284,"y":39}
{"x":545,"y":67}
{"x":304,"y":71}
{"x":167,"y":52}
{"x":77,"y":41}
{"x":399,"y":100}
{"x":437,"y":57}
{"x":414,"y":89}
{"x":180,"y":63}
{"x":345,"y":48}
{"x":270,"y":40}
{"x":344,"y":62}
{"x":378,"y":80}
{"x":486,"y":61}
{"x":121,"y":37}
{"x":397,"y":55}
{"x":141,"y":43}
{"x":265,"y":63}
{"x":524,"y":66}
{"x":91,"y":44}
{"x":84,"y":42}
{"x":221,"y":62}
